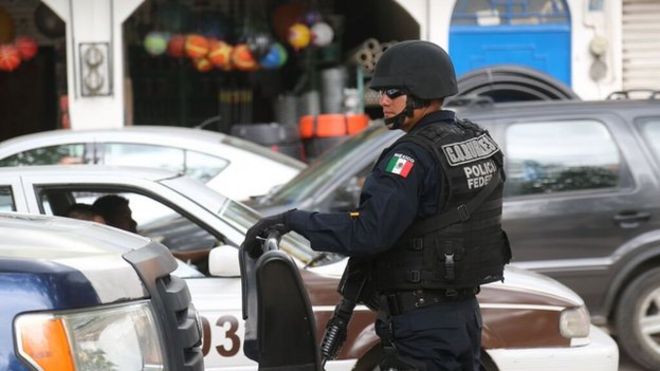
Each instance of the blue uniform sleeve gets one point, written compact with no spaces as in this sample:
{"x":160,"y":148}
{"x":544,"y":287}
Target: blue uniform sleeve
{"x":389,"y":203}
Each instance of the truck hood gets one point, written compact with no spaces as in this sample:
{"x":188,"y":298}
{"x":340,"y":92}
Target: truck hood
{"x":79,"y":261}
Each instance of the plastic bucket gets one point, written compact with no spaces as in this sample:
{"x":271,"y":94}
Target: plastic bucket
{"x":322,"y":132}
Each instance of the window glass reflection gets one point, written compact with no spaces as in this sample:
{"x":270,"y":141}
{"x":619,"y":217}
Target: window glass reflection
{"x":65,"y":154}
{"x":560,"y":157}
{"x":651,"y":134}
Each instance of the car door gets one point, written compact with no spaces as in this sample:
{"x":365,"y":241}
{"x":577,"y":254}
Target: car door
{"x":571,"y":197}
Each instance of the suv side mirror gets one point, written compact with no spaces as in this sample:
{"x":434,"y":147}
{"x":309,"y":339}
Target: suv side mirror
{"x":223,"y":262}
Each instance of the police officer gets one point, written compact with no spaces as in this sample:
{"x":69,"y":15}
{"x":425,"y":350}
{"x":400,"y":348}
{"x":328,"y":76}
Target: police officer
{"x":429,"y":216}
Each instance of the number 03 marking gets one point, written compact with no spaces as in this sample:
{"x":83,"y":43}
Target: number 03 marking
{"x":229,"y":334}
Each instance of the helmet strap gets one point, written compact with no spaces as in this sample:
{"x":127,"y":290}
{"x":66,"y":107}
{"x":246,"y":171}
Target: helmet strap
{"x":396,"y":122}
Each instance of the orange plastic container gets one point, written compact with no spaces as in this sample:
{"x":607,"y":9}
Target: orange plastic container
{"x":331,"y":125}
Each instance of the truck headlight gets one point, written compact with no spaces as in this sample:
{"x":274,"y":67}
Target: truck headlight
{"x":117,"y":337}
{"x":574,"y":322}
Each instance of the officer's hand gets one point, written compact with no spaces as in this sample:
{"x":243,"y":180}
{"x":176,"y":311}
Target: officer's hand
{"x":261,"y":228}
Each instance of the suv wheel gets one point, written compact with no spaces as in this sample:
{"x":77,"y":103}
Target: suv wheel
{"x":638,"y":319}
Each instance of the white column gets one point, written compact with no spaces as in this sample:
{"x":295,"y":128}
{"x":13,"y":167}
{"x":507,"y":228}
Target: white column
{"x":95,"y":59}
{"x":418,"y":9}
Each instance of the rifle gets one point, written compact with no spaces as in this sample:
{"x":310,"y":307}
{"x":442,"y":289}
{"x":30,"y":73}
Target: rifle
{"x":355,"y":288}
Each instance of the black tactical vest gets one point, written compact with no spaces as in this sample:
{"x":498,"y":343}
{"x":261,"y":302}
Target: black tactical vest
{"x":463,"y":245}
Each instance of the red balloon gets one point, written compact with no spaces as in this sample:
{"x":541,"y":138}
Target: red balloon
{"x":27,"y":47}
{"x":10,"y":58}
{"x":175,"y":48}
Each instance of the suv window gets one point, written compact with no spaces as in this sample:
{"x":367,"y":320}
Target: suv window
{"x":61,"y":154}
{"x":557,"y":157}
{"x":6,"y":200}
{"x":651,"y":134}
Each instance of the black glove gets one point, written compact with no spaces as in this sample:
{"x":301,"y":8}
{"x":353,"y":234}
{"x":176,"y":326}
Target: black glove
{"x":261,"y":229}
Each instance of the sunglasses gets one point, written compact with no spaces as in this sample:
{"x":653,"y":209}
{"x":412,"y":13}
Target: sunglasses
{"x":391,"y":93}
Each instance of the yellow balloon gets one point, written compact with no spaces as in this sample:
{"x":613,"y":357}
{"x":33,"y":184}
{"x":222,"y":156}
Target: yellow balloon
{"x":299,"y":36}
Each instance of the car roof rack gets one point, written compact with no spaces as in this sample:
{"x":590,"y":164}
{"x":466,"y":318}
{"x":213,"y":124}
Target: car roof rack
{"x":626,"y":94}
{"x":470,"y":101}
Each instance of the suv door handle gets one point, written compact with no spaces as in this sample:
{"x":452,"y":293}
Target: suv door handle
{"x":631,"y":219}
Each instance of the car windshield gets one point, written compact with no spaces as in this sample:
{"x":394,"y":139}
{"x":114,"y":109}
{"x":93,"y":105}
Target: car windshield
{"x":241,"y":218}
{"x":309,"y":180}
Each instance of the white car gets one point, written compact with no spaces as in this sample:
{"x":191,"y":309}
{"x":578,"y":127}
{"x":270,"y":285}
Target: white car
{"x":530,"y":321}
{"x":235,"y":167}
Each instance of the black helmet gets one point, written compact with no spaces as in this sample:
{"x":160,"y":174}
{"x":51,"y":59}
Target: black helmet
{"x":421,"y":68}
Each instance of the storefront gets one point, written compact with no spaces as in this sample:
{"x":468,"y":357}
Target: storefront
{"x":182,"y":63}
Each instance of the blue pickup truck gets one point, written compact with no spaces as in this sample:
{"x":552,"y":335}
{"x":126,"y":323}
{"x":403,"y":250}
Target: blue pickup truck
{"x":82,"y":296}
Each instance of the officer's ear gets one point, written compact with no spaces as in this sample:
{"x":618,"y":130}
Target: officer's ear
{"x":422,"y":103}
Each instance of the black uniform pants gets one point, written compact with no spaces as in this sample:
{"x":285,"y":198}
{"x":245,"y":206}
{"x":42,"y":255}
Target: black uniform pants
{"x":443,"y":336}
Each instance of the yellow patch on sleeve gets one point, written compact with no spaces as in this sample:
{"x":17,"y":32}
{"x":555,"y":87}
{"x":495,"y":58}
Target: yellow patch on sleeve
{"x":354,"y":214}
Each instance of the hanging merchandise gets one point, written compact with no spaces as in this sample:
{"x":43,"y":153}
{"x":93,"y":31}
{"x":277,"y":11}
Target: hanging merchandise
{"x":285,"y":16}
{"x":259,"y":43}
{"x":48,"y":23}
{"x":275,"y":58}
{"x":322,"y":34}
{"x":202,"y":64}
{"x":197,"y":46}
{"x":220,"y":54}
{"x":176,"y":46}
{"x":6,"y":27}
{"x":312,"y":17}
{"x":10,"y":58}
{"x":299,"y":36}
{"x":156,"y":42}
{"x":27,"y":47}
{"x":243,"y":59}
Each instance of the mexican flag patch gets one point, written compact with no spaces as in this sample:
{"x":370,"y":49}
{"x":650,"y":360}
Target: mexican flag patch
{"x":400,"y":164}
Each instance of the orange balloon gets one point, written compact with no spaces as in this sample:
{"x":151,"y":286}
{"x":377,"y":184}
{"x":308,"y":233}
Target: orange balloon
{"x":203,"y":64}
{"x":220,"y":54}
{"x":10,"y":58}
{"x":197,"y":46}
{"x":243,"y":59}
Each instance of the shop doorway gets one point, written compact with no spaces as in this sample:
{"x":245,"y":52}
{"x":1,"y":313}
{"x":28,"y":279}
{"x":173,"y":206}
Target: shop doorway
{"x":33,"y":71}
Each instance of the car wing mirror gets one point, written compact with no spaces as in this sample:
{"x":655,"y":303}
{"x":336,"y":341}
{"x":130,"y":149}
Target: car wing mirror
{"x":223,"y":262}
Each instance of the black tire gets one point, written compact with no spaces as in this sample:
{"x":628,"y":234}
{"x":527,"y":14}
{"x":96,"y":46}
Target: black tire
{"x":635,"y":304}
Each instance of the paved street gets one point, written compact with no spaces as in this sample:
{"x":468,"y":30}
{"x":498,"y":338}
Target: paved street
{"x":626,"y":364}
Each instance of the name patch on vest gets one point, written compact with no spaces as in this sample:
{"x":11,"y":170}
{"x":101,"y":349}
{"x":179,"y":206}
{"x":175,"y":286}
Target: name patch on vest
{"x":470,"y":150}
{"x":479,"y":175}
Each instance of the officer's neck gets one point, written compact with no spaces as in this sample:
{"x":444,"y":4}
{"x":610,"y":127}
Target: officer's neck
{"x":419,"y":113}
